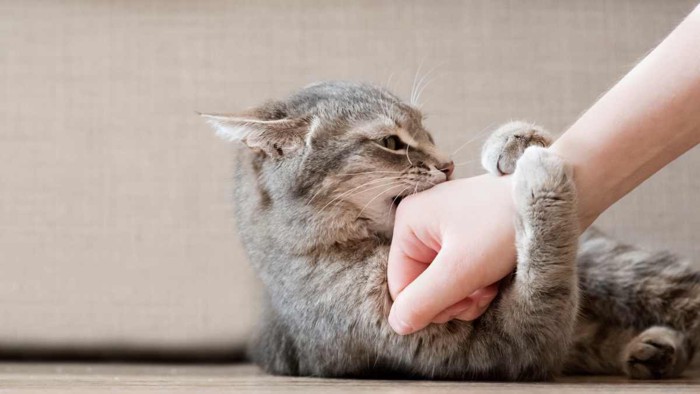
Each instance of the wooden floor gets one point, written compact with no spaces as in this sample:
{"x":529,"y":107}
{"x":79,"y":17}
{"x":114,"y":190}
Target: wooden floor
{"x":144,"y":378}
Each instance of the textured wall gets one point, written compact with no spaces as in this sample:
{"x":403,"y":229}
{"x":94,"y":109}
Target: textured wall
{"x":115,"y":226}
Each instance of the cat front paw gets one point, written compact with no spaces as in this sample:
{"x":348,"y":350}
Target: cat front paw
{"x":543,"y":187}
{"x":657,"y":353}
{"x":507,"y":144}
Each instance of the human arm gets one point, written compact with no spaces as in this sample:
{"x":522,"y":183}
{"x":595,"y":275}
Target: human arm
{"x":646,"y":120}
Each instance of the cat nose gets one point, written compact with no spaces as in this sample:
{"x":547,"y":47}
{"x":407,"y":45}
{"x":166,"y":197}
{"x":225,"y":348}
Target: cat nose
{"x":448,"y":169}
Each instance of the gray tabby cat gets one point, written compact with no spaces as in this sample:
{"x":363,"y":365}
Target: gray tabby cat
{"x":315,"y":197}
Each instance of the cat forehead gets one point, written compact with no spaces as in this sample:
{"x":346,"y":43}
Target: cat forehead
{"x":345,"y":99}
{"x":342,"y":107}
{"x":345,"y":90}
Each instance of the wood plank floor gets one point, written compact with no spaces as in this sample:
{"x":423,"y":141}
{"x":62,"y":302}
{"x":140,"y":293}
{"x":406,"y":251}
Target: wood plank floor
{"x":146,"y":378}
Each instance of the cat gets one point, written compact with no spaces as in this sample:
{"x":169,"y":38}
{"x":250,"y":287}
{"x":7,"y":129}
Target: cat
{"x":318,"y":178}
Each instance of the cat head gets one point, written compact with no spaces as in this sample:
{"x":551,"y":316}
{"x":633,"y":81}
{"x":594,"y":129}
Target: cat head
{"x":342,"y":149}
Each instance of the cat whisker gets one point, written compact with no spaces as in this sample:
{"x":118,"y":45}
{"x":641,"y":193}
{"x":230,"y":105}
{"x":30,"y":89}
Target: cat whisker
{"x":393,"y":201}
{"x":339,"y":198}
{"x":465,"y":162}
{"x":397,"y":180}
{"x":415,"y":188}
{"x":425,"y":81}
{"x":370,"y":172}
{"x":414,"y":99}
{"x":320,"y":189}
{"x":366,"y":183}
{"x":392,"y":185}
{"x":415,"y":79}
{"x":473,"y":139}
{"x":387,"y":86}
{"x":370,"y":182}
{"x":375,"y":172}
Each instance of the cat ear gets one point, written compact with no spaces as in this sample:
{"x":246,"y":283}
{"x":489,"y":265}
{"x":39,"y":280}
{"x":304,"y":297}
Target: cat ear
{"x":275,"y":138}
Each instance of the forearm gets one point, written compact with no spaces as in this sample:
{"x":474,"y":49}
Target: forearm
{"x":645,"y":121}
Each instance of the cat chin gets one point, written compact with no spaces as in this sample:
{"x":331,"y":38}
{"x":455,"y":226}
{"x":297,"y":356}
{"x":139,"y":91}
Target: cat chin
{"x":383,"y":223}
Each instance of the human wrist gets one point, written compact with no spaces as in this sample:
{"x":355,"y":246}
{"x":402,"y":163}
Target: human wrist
{"x":589,"y":189}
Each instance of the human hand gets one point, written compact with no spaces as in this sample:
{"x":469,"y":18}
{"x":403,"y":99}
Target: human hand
{"x":451,"y":245}
{"x":466,"y":226}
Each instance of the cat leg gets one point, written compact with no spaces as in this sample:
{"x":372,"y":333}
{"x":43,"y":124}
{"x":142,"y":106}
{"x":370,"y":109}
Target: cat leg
{"x":658,"y":352}
{"x":272,"y":348}
{"x":536,"y":312}
{"x":598,"y":348}
{"x":604,"y":348}
{"x":629,"y":287}
{"x":504,"y":147}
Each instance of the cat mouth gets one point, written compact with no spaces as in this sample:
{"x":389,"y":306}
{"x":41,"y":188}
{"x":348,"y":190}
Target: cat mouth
{"x":395,"y":201}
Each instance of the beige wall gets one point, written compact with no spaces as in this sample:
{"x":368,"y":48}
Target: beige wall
{"x":114,"y":222}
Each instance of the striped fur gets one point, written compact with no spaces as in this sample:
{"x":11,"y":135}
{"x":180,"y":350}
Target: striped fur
{"x":315,"y":209}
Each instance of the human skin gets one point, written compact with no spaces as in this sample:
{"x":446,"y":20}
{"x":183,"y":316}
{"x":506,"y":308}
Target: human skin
{"x":454,"y":242}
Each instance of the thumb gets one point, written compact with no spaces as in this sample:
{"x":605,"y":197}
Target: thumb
{"x":452,"y":277}
{"x":413,"y":247}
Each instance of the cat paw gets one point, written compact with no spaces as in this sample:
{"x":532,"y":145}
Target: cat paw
{"x":543,"y":186}
{"x":507,"y":144}
{"x":657,"y":353}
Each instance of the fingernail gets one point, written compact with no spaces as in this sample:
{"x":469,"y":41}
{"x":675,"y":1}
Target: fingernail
{"x":399,"y":326}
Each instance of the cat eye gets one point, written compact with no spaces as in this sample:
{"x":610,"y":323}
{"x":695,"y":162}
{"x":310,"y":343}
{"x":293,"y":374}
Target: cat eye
{"x":392,"y":142}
